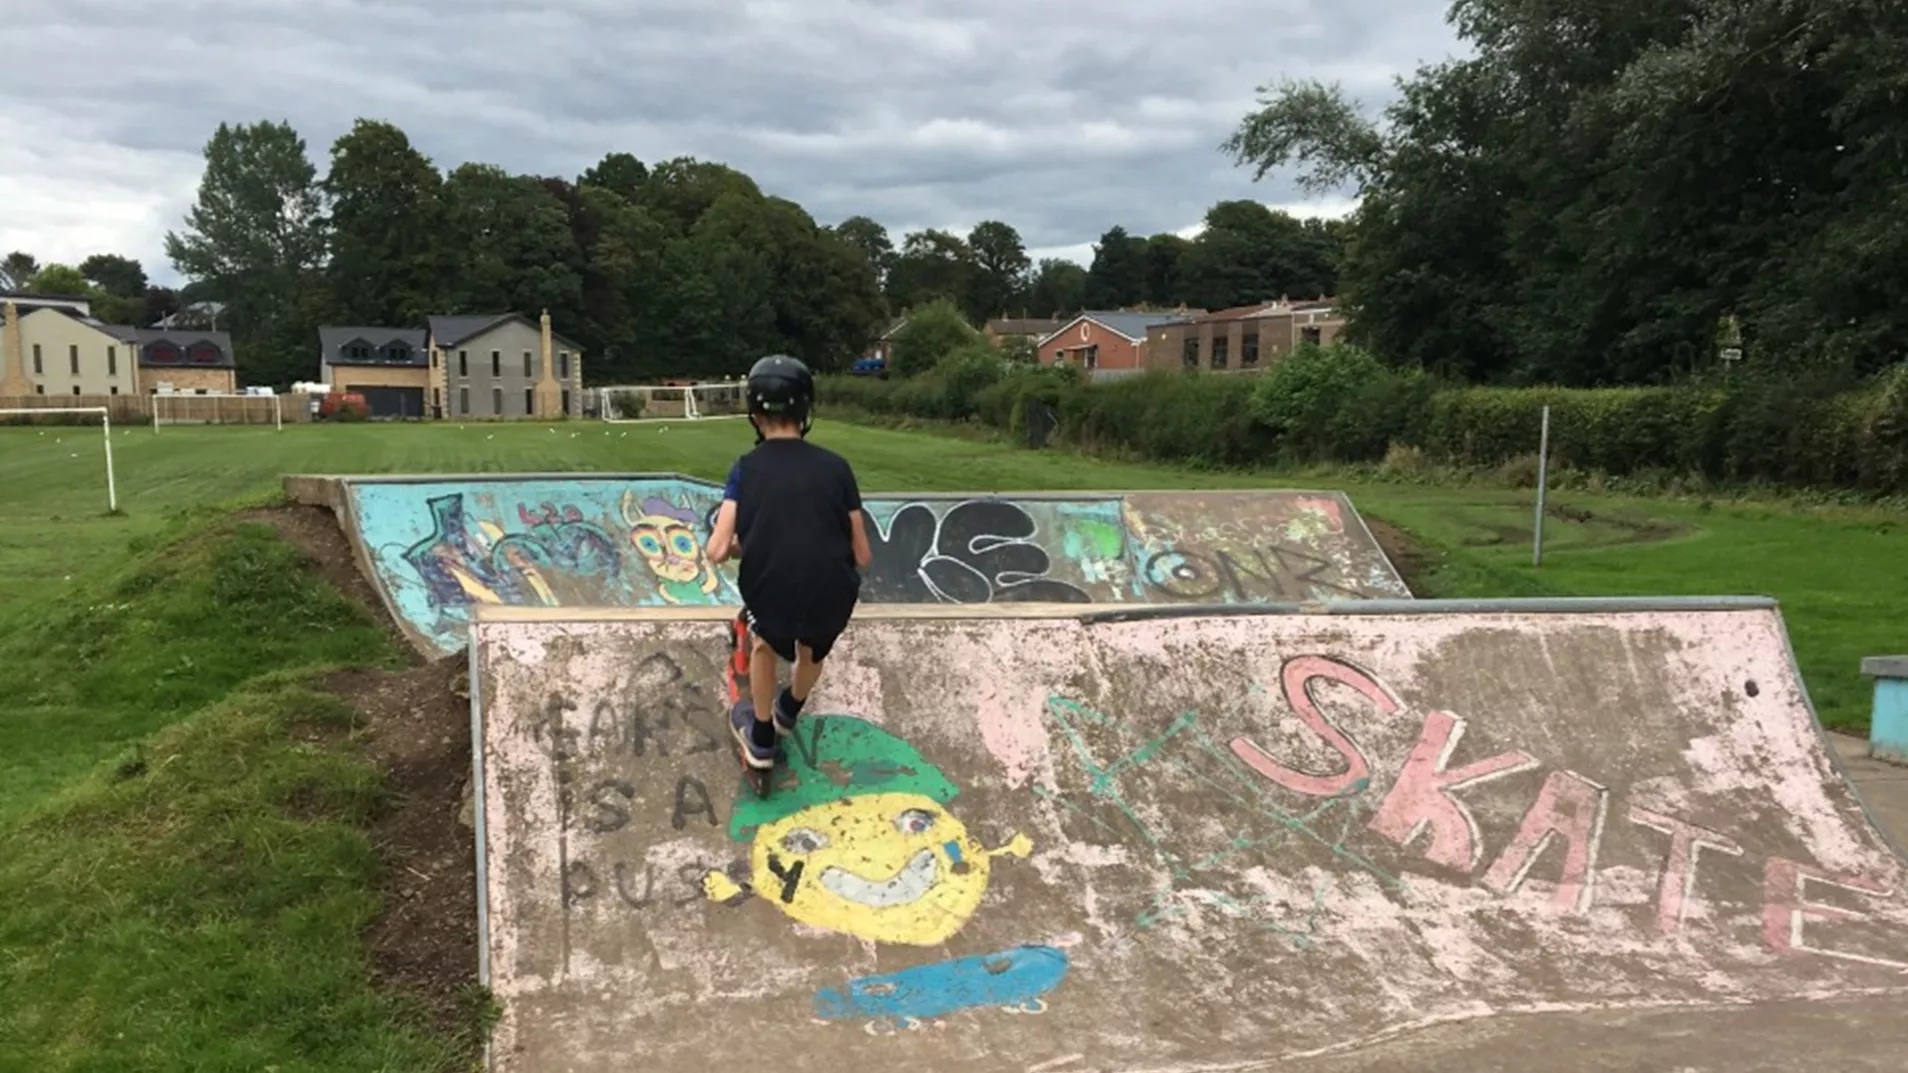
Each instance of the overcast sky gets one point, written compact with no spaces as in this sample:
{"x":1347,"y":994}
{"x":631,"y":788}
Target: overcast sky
{"x":1060,"y":117}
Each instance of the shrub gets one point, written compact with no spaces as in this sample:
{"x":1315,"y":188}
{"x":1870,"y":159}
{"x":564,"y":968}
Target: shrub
{"x":1337,"y":404}
{"x":963,"y":375}
{"x":932,"y":333}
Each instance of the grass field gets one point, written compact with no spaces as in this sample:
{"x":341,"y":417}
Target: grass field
{"x":187,"y":875}
{"x":1837,"y":571}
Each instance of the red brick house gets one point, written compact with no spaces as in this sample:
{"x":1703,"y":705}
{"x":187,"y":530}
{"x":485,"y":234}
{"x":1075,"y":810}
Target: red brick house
{"x":1113,"y":340}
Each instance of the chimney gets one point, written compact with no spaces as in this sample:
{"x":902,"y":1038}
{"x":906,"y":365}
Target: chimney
{"x":13,"y":378}
{"x":549,"y":395}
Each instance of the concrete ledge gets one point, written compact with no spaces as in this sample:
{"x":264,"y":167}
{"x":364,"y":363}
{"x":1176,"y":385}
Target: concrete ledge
{"x":1885,"y":666}
{"x":1888,"y":719}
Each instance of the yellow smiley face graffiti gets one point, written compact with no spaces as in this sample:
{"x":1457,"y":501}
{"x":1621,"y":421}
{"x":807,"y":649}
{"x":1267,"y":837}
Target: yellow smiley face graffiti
{"x":894,"y":868}
{"x":856,"y":837}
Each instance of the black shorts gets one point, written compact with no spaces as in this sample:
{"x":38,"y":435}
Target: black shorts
{"x":783,"y":633}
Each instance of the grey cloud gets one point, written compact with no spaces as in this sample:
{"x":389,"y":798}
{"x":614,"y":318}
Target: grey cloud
{"x":1061,"y":118}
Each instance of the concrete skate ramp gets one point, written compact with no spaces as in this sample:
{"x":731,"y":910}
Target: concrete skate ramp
{"x":437,"y":546}
{"x":1058,"y":839}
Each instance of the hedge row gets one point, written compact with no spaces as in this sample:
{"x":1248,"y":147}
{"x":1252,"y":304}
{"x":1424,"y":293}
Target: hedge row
{"x":1339,"y":404}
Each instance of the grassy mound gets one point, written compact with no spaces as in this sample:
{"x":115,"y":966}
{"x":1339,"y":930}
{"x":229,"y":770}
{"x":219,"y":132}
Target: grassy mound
{"x":188,"y":872}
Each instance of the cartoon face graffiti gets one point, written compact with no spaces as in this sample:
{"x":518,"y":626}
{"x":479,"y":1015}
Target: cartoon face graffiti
{"x":856,"y":838}
{"x":665,"y":536}
{"x":894,"y":868}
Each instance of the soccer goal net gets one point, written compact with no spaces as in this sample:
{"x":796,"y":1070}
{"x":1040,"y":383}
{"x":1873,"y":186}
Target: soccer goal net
{"x":194,"y":409}
{"x":68,"y":415}
{"x":651,"y":402}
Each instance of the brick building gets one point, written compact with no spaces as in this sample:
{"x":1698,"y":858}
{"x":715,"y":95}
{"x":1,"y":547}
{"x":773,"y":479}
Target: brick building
{"x":1241,"y":339}
{"x":1104,"y":340}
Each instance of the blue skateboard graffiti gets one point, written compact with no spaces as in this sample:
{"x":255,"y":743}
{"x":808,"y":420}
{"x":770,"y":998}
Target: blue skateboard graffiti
{"x":1014,"y":978}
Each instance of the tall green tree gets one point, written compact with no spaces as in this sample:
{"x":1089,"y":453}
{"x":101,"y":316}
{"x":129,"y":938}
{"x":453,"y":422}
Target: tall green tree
{"x":256,"y":233}
{"x":619,"y":173}
{"x":871,"y":240}
{"x":1117,"y":276}
{"x":511,"y":242}
{"x":1058,"y":290}
{"x":932,"y":264}
{"x":387,"y":263}
{"x":16,"y":269}
{"x":997,"y":285}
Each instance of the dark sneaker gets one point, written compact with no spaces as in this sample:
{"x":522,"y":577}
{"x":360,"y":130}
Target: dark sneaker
{"x":784,"y":722}
{"x":742,"y":725}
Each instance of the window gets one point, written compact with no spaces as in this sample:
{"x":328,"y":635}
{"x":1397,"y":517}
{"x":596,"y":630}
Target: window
{"x":112,"y":363}
{"x":72,"y":359}
{"x":38,"y":369}
{"x":529,"y":400}
{"x":1092,"y":360}
{"x":1219,"y":344}
{"x":202,"y":354}
{"x":75,"y":389}
{"x":1309,"y":334}
{"x":1192,"y":352}
{"x":463,"y":400}
{"x":39,"y":389}
{"x":114,"y":390}
{"x":526,"y":365}
{"x":397,"y":354}
{"x":496,"y":363}
{"x":496,"y":401}
{"x":463,"y":365}
{"x":163,"y":353}
{"x":566,"y":400}
{"x":563,"y":366}
{"x":1249,"y":350}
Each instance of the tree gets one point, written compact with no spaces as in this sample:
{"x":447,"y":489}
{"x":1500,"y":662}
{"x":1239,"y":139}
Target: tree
{"x":998,"y":281}
{"x":256,"y":234}
{"x":1164,"y":252}
{"x":511,"y":242}
{"x":1058,"y":290}
{"x":16,"y":269}
{"x":121,"y":277}
{"x":932,"y":332}
{"x":871,"y":240}
{"x":1248,"y":253}
{"x":932,"y":264}
{"x":1582,"y":200}
{"x":62,"y":280}
{"x":387,"y":228}
{"x":1117,"y":276}
{"x":619,"y":173}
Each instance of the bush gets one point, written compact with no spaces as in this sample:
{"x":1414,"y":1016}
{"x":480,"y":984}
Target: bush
{"x":932,"y":333}
{"x":963,"y":375}
{"x":1338,"y":404}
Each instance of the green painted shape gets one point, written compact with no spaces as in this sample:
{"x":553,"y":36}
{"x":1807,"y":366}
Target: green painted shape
{"x":834,"y":757}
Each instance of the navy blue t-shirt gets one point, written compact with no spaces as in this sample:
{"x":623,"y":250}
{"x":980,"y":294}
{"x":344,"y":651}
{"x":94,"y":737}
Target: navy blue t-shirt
{"x":792,"y":502}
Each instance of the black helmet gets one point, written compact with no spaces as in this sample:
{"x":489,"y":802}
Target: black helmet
{"x":783,"y":386}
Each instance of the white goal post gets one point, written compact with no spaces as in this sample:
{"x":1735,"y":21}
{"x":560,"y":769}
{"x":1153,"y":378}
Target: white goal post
{"x":628,"y":403}
{"x":106,"y":426}
{"x":187,"y":408}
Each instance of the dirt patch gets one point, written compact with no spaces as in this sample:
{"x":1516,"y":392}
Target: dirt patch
{"x":314,"y":531}
{"x":1406,"y":557}
{"x":418,"y":731}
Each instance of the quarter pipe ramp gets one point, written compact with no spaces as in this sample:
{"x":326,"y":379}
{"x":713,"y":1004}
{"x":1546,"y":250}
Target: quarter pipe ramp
{"x":437,"y":546}
{"x":1071,"y":839}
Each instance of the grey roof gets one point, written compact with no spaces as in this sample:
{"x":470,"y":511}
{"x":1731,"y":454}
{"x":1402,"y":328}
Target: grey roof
{"x":1131,"y":325}
{"x":120,"y":331}
{"x":448,"y":331}
{"x":332,"y":339}
{"x":184,"y":338}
